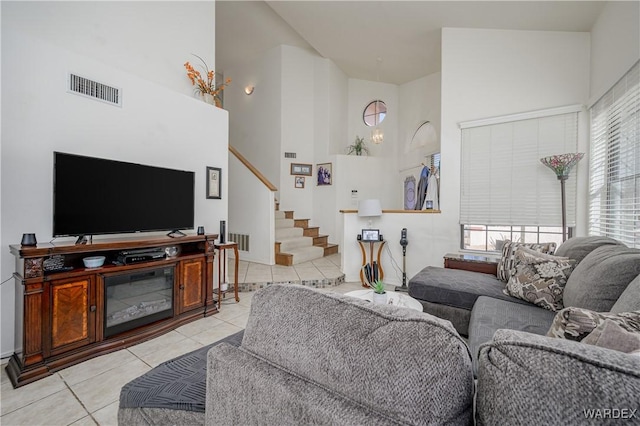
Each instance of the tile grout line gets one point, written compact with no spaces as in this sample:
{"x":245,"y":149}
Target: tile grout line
{"x":79,"y":402}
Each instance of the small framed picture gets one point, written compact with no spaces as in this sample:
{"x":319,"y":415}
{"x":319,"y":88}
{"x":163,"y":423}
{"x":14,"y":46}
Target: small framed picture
{"x":324,"y":174}
{"x":299,"y":182}
{"x":300,"y":169}
{"x":214,"y":183}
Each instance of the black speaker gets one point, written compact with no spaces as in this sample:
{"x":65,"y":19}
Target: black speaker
{"x":223,"y":230}
{"x":200,"y":230}
{"x":29,"y":240}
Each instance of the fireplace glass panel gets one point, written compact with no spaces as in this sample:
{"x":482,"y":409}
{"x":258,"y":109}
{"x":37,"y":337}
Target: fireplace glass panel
{"x":137,"y":298}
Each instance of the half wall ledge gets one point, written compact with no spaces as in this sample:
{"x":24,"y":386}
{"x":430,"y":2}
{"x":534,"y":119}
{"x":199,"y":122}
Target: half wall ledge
{"x":397,"y":211}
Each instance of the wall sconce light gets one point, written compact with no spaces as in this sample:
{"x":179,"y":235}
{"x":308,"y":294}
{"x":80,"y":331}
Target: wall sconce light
{"x":248,"y":90}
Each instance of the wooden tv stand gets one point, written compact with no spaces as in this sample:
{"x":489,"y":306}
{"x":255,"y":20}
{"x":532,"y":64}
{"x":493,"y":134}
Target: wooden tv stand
{"x":60,"y":314}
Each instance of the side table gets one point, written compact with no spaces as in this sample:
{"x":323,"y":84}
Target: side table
{"x":370,"y":262}
{"x":222,"y":267}
{"x":471,"y":262}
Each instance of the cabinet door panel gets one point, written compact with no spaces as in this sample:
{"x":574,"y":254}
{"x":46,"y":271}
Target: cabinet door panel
{"x":72,"y":313}
{"x":191,"y":284}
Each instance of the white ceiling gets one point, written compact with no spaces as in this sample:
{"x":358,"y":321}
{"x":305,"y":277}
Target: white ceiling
{"x":405,"y":34}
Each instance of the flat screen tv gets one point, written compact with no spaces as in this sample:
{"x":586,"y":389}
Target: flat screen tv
{"x":94,"y":196}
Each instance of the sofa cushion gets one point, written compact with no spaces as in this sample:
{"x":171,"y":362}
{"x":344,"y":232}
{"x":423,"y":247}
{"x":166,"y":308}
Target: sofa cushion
{"x":489,"y":315}
{"x":597,"y":282}
{"x":629,"y":300}
{"x":539,"y":278}
{"x":507,"y":260}
{"x":457,"y":288}
{"x":576,"y":323}
{"x":355,"y":350}
{"x":611,"y":335}
{"x":577,"y":248}
{"x":171,"y":393}
{"x":528,"y":379}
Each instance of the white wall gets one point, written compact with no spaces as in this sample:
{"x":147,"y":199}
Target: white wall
{"x":152,"y":39}
{"x":298,"y":123}
{"x":252,"y":215}
{"x":615,"y":45}
{"x":254,"y":120}
{"x":361,"y":94}
{"x":156,"y":125}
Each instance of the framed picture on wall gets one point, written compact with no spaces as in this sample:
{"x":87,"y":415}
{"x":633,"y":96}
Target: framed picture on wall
{"x":299,"y":182}
{"x":214,"y":183}
{"x":301,"y":169}
{"x":324,"y":174}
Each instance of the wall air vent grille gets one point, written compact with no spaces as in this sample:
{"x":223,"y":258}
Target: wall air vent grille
{"x":289,"y":155}
{"x":241,"y":239}
{"x":92,"y":89}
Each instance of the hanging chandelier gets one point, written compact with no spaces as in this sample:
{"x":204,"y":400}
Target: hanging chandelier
{"x":377,"y":135}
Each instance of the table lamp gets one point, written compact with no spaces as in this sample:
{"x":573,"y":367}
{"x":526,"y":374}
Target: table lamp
{"x":369,"y":208}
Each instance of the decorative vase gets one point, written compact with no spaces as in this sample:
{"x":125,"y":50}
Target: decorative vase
{"x":379,"y":298}
{"x":209,"y":98}
{"x":224,"y":286}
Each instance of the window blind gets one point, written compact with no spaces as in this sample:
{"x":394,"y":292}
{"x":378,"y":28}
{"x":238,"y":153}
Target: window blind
{"x":502,"y":179}
{"x":614,"y":169}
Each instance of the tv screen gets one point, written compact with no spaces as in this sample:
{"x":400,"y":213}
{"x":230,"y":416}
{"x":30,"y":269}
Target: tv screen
{"x":97,"y":196}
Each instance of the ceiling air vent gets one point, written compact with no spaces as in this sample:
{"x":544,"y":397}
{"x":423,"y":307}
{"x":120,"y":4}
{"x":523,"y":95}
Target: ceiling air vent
{"x":92,"y":89}
{"x":289,"y":155}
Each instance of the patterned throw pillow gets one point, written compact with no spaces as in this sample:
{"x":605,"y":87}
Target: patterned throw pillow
{"x":577,"y":323}
{"x":508,"y":252}
{"x":539,"y":278}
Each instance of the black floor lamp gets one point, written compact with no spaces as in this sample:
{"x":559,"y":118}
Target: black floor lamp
{"x":562,"y":165}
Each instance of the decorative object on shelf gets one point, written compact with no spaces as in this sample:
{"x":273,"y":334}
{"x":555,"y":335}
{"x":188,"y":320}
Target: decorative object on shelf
{"x":410,"y":193}
{"x":561,"y":166}
{"x":379,"y":292}
{"x":369,"y":208}
{"x":324,"y":174}
{"x":93,"y":261}
{"x":200,"y":230}
{"x":301,"y":169}
{"x":358,"y":147}
{"x":206,"y":87}
{"x":29,"y":240}
{"x":299,"y":183}
{"x":214,"y":183}
{"x":171,"y":251}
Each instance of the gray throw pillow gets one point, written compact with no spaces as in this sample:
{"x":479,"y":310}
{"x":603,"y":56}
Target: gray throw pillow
{"x":597,"y":282}
{"x":507,"y":260}
{"x":577,"y":248}
{"x":610,"y":335}
{"x":629,"y":300}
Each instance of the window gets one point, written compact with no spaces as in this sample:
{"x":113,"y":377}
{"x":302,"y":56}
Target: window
{"x":374,"y":113}
{"x":491,"y":238}
{"x":506,"y":193}
{"x":614,"y":184}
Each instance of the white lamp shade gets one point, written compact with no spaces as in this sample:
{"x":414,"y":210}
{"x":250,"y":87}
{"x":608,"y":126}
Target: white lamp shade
{"x":368,"y":208}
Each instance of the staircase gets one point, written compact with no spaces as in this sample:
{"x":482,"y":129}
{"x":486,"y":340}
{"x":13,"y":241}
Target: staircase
{"x":297,"y":242}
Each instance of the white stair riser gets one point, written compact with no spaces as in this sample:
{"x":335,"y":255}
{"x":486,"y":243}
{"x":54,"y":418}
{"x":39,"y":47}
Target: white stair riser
{"x":293,"y":243}
{"x":284,"y":233}
{"x":284,"y":223}
{"x":280,"y":214}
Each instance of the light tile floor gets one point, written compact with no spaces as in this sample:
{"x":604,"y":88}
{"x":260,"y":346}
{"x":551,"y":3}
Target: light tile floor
{"x":87,"y":393}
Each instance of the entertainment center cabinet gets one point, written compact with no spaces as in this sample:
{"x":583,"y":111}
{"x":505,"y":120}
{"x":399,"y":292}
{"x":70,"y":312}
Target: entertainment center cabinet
{"x":66,"y":313}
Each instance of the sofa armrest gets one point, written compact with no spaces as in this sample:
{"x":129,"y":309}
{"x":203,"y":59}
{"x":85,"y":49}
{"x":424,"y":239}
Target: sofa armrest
{"x":528,"y":378}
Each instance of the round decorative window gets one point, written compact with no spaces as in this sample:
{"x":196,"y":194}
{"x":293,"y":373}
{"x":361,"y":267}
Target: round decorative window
{"x":374,"y":113}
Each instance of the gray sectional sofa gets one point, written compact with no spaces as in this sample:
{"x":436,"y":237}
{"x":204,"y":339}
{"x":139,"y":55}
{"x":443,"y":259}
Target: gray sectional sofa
{"x":477,"y":307}
{"x":308,"y":357}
